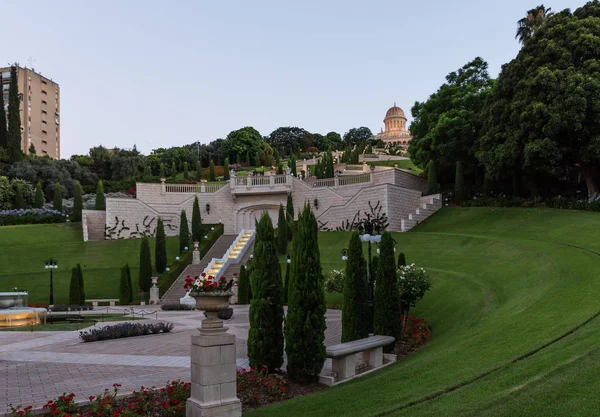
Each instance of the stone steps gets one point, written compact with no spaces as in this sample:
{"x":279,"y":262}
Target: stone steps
{"x":428,"y":205}
{"x":176,"y":292}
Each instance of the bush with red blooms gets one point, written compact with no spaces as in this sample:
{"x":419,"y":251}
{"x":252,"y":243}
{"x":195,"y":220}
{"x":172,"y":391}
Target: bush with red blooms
{"x":256,"y":387}
{"x":131,"y":190}
{"x":207,"y":283}
{"x":416,"y":334}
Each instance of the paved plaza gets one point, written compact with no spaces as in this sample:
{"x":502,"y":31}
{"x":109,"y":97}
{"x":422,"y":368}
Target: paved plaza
{"x":38,"y":366}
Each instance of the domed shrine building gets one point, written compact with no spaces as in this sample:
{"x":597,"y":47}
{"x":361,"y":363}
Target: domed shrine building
{"x":395,"y":131}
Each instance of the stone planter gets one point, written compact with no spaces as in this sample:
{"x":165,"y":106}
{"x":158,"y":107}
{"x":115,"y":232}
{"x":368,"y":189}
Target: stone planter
{"x":211,"y":303}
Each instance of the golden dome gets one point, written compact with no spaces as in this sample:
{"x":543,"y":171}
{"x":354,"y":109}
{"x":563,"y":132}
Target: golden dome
{"x":395,"y":112}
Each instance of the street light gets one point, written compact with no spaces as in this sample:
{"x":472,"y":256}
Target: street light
{"x":51,"y":264}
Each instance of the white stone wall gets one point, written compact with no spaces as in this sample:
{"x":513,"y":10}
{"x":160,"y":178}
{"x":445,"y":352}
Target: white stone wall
{"x":395,"y":191}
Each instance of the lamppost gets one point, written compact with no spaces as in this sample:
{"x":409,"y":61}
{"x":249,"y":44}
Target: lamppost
{"x":370,"y":231}
{"x":51,"y":264}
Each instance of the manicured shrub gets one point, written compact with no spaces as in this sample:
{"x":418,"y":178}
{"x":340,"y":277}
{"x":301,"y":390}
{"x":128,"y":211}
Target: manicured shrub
{"x":282,"y":233}
{"x":160,"y":250}
{"x":211,"y":171}
{"x":289,"y":214}
{"x":286,"y":281}
{"x":100,"y":196}
{"x":196,"y":222}
{"x":124,"y":287}
{"x":117,"y":331}
{"x":77,"y":203}
{"x":57,"y":202}
{"x":355,"y":311}
{"x":334,"y":281}
{"x":186,"y":173}
{"x":74,"y":287}
{"x":265,"y":337}
{"x":176,"y":306}
{"x":19,"y":202}
{"x":145,"y":274}
{"x":243,"y":286}
{"x":413,"y":283}
{"x":184,"y":233}
{"x":432,"y":184}
{"x":401,"y":259}
{"x":387,"y":297}
{"x":30,"y":216}
{"x":460,"y":193}
{"x":226,"y":169}
{"x":305,"y":321}
{"x":81,"y":286}
{"x":129,"y":283}
{"x":40,"y":200}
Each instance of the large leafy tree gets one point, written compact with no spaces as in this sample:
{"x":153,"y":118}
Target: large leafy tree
{"x":544,"y":113}
{"x":265,"y":337}
{"x":358,"y":135}
{"x":242,"y":141}
{"x":289,"y":140}
{"x":305,"y":321}
{"x":534,"y":20}
{"x":446,"y":127}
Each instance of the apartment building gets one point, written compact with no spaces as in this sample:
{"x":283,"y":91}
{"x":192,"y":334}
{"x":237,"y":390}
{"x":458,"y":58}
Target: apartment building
{"x":40,"y":111}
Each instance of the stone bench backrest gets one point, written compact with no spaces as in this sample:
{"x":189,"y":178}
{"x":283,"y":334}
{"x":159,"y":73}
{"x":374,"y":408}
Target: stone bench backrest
{"x":349,"y":348}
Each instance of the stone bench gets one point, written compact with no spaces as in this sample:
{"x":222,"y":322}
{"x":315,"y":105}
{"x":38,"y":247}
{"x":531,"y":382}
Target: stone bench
{"x":344,"y":357}
{"x":112,"y":301}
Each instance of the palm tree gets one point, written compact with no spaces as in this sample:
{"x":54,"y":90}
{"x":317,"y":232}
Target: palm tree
{"x":534,"y":20}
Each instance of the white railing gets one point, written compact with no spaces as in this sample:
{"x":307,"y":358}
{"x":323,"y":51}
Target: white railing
{"x":262,"y":181}
{"x":225,"y":261}
{"x":354,"y":179}
{"x":193,"y":188}
{"x":325,"y":182}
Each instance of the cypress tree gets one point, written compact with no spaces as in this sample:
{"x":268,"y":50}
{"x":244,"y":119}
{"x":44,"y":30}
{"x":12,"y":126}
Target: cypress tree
{"x":401,"y":260}
{"x":74,"y":293}
{"x":58,"y":203}
{"x":196,"y":222}
{"x":282,"y":232}
{"x":226,"y":169}
{"x":292,"y":165}
{"x":39,"y":196}
{"x":124,"y":287}
{"x":286,"y":281}
{"x":100,"y":197}
{"x":77,"y":203}
{"x":277,"y":157}
{"x":432,"y":184}
{"x":198,"y":171}
{"x":14,"y":119}
{"x":3,"y":132}
{"x":305,"y":322}
{"x":160,"y":250}
{"x":162,"y":170}
{"x":173,"y":169}
{"x":185,"y":171}
{"x":211,"y":171}
{"x":243,"y":286}
{"x":81,"y":286}
{"x":130,"y":286}
{"x":265,"y":337}
{"x":460,"y":194}
{"x":19,"y":202}
{"x":289,"y":214}
{"x":355,"y":319}
{"x":387,"y":297}
{"x":145,"y":276}
{"x":184,"y":232}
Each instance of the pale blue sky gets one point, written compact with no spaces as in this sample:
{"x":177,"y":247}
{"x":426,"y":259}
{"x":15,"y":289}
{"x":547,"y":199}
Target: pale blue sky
{"x":166,"y":73}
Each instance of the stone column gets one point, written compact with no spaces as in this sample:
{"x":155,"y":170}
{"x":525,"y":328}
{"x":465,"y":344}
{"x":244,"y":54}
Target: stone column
{"x":213,"y":369}
{"x":196,"y":255}
{"x":154,"y":294}
{"x":163,"y":186}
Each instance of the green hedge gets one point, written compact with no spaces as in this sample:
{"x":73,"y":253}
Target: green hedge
{"x":167,"y":278}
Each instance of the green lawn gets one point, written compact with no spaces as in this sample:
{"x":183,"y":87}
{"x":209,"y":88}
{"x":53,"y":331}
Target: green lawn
{"x":403,"y":164}
{"x":65,"y":326}
{"x":508,"y":285}
{"x":23,"y":250}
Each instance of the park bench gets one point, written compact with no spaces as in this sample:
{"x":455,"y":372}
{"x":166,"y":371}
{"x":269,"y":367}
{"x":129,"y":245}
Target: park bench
{"x":346,"y":356}
{"x":112,"y":301}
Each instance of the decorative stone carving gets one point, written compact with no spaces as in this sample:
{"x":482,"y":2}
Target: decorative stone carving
{"x":196,"y":254}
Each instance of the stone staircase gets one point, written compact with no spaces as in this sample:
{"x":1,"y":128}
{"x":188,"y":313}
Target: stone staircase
{"x":176,"y":292}
{"x":428,"y":205}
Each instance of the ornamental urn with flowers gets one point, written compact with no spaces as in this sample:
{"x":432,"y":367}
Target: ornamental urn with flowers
{"x":211,"y":294}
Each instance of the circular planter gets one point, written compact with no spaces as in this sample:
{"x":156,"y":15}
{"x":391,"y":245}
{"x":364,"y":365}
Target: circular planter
{"x":212,"y":303}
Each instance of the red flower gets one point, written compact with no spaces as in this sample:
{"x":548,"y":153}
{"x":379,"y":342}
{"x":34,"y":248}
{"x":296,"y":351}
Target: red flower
{"x":203,"y":274}
{"x":222,"y":279}
{"x":54,"y":412}
{"x":91,"y":398}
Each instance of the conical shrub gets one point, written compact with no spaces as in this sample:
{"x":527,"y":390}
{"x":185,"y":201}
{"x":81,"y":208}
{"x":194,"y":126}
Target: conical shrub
{"x":355,"y":312}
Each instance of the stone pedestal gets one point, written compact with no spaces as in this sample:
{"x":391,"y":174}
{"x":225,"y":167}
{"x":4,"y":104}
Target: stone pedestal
{"x":196,"y":255}
{"x":213,"y":367}
{"x":154,"y":293}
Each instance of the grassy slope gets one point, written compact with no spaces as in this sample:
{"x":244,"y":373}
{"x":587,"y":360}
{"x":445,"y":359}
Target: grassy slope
{"x":23,"y":250}
{"x":506,"y":282}
{"x":403,"y":164}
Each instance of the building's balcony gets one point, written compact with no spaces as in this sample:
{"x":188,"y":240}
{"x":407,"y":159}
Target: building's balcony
{"x":271,"y":184}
